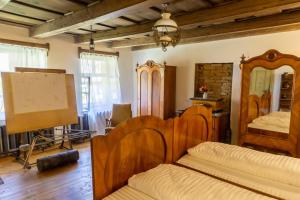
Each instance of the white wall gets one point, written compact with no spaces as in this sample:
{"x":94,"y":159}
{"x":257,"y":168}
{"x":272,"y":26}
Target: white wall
{"x":126,"y":74}
{"x":185,"y":57}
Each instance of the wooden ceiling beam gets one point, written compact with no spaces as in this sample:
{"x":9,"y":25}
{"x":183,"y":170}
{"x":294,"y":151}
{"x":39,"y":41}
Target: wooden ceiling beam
{"x":36,"y":7}
{"x":218,"y":14}
{"x":155,"y":9}
{"x":3,"y":3}
{"x":129,"y":19}
{"x":24,"y":16}
{"x":102,"y":11}
{"x":79,"y":2}
{"x":209,"y":3}
{"x":263,"y":25}
{"x":87,"y":30}
{"x":105,"y":25}
{"x":14,"y":23}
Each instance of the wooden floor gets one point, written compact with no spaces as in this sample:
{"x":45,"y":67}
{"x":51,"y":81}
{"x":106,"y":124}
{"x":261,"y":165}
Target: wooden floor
{"x":68,"y":182}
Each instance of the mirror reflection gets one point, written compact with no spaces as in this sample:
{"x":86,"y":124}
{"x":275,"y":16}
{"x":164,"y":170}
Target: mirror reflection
{"x":270,"y":100}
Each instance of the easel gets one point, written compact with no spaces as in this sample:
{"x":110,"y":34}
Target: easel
{"x":67,"y":136}
{"x":41,"y":106}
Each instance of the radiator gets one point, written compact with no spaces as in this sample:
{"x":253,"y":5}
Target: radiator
{"x":9,"y":143}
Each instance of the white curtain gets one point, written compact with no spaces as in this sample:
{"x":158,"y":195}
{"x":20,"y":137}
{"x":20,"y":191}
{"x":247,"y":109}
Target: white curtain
{"x":12,"y":56}
{"x":103,"y":73}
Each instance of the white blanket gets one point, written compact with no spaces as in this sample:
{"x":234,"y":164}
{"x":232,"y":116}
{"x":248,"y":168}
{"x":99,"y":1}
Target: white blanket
{"x":169,"y":182}
{"x":127,"y":193}
{"x":275,"y":167}
{"x":267,"y":186}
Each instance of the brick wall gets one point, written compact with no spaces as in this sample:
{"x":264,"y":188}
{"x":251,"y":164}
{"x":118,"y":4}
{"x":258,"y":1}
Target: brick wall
{"x":218,"y":78}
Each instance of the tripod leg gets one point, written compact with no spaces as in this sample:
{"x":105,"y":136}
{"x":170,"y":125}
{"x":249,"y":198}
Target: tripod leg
{"x":70,"y":141}
{"x":26,"y":163}
{"x":63,"y":138}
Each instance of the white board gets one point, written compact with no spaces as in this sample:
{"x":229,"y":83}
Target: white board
{"x":38,"y":100}
{"x":37,"y":92}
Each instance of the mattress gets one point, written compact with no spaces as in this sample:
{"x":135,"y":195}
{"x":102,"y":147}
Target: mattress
{"x":128,"y":193}
{"x":275,"y":121}
{"x":272,"y":174}
{"x":170,"y":182}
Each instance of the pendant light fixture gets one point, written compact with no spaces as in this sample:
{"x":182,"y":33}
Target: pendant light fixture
{"x":166,"y":30}
{"x":92,"y":43}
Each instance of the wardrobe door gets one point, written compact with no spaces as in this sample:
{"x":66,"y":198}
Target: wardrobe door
{"x":156,"y":94}
{"x":144,"y":93}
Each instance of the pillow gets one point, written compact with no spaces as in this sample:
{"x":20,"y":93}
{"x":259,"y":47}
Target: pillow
{"x":275,"y":167}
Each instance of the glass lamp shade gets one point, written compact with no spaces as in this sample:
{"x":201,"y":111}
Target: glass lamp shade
{"x":165,"y":38}
{"x":165,"y":24}
{"x":166,"y":31}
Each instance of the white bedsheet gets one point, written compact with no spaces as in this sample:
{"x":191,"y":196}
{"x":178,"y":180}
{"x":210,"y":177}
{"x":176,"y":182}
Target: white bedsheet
{"x":127,"y":193}
{"x":169,"y":182}
{"x":257,"y":165}
{"x":264,"y":185}
{"x":275,"y":121}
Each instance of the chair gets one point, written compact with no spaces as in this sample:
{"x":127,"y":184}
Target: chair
{"x":120,"y":113}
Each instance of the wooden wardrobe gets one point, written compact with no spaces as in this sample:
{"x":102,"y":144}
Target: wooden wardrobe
{"x":156,"y":89}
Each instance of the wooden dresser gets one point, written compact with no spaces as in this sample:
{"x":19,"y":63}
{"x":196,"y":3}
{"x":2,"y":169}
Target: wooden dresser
{"x":156,"y":89}
{"x":221,"y":119}
{"x":216,"y":103}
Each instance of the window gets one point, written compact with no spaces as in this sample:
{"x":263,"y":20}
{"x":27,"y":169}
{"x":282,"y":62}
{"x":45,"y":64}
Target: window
{"x":100,"y":86}
{"x":12,"y":56}
{"x":85,"y":92}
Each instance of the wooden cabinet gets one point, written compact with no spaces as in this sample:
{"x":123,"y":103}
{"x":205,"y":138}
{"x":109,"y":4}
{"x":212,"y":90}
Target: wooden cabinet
{"x":156,"y":90}
{"x":216,"y":103}
{"x":221,"y":127}
{"x":221,"y":119}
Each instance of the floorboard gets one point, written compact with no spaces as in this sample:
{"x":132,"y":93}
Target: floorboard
{"x":69,"y":182}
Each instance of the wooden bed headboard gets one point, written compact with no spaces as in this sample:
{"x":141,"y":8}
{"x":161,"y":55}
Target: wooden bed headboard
{"x":265,"y":103}
{"x":192,"y":128}
{"x":144,"y":142}
{"x":253,"y":107}
{"x":258,"y":106}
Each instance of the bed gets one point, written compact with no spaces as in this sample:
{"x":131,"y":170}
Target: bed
{"x":262,"y":121}
{"x":274,"y":121}
{"x":146,"y":158}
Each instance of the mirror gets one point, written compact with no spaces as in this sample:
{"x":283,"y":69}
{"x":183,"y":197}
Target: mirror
{"x":270,"y":100}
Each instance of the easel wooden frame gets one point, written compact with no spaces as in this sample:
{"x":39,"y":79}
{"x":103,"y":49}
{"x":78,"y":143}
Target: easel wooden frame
{"x":39,"y":136}
{"x":66,"y":136}
{"x":45,"y":70}
{"x":15,"y":122}
{"x":27,"y":164}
